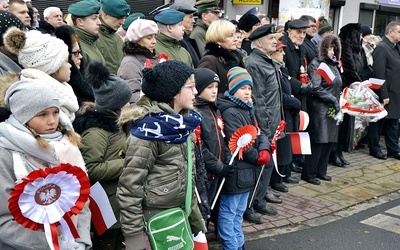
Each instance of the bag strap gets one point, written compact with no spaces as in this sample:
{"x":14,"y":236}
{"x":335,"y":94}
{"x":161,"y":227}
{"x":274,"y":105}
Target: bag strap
{"x":188,"y":200}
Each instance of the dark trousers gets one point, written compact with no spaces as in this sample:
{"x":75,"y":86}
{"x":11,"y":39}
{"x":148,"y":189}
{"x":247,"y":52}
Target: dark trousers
{"x":262,"y":187}
{"x":283,"y":169}
{"x":316,"y":164}
{"x":389,"y":128}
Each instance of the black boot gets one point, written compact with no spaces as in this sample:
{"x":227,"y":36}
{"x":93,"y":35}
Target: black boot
{"x":341,"y":158}
{"x":335,"y":160}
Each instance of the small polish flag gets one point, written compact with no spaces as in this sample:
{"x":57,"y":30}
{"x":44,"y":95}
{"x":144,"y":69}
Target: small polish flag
{"x":326,"y":72}
{"x":102,"y":214}
{"x":301,"y":144}
{"x":375,"y":83}
{"x":304,"y":120}
{"x":200,"y":242}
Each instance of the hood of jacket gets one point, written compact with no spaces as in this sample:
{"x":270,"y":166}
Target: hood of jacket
{"x":350,"y":34}
{"x":324,"y":46}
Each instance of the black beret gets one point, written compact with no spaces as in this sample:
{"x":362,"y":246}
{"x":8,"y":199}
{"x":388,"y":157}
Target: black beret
{"x":182,"y":7}
{"x":298,"y":24}
{"x":260,"y":32}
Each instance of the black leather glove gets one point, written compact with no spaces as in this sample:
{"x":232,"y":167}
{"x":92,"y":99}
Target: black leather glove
{"x":336,"y":106}
{"x":225,"y":171}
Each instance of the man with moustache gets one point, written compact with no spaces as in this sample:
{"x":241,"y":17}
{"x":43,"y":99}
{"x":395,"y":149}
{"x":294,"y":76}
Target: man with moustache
{"x":188,"y":43}
{"x":267,"y":94}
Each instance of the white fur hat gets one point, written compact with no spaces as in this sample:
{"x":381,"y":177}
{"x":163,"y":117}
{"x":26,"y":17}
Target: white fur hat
{"x":36,"y":50}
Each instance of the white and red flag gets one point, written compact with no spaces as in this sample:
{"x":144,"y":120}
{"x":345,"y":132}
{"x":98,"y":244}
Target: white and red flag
{"x":304,"y":120}
{"x":375,"y":83}
{"x":102,"y":214}
{"x":301,"y":144}
{"x":326,"y":72}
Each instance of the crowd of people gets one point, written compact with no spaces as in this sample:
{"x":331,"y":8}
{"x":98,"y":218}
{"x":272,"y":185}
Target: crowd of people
{"x":118,"y":95}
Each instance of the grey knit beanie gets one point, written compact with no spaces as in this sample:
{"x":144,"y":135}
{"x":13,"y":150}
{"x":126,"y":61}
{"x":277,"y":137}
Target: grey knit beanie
{"x":27,"y":98}
{"x":165,"y":80}
{"x":110,"y":91}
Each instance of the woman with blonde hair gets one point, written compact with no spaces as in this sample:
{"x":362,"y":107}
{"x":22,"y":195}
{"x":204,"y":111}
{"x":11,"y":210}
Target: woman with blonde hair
{"x":221,"y":53}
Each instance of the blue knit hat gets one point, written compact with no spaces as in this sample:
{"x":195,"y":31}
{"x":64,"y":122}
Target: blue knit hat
{"x":238,"y":77}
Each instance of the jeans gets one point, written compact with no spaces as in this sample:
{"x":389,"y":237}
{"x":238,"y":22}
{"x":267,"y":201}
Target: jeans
{"x":230,"y":218}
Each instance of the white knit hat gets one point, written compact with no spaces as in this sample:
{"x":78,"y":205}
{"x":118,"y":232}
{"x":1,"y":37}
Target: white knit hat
{"x":36,"y":50}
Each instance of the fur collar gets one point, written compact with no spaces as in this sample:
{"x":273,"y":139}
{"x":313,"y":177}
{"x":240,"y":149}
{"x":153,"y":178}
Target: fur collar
{"x":324,"y":46}
{"x":96,"y":118}
{"x":134,"y":48}
{"x":228,"y":58}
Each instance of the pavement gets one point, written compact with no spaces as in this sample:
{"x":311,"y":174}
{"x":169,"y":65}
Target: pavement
{"x":365,"y":179}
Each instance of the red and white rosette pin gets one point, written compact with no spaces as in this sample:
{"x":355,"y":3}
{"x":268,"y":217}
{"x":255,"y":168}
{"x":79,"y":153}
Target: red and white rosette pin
{"x":240,"y":141}
{"x":47,"y":198}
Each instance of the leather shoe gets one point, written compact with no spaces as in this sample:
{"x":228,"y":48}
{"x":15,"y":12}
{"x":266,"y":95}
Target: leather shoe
{"x":324,"y":177}
{"x":272,"y":198}
{"x":279,"y":187}
{"x":378,"y":155}
{"x":290,"y":179}
{"x":295,"y":168}
{"x":314,"y":181}
{"x":266,"y":210}
{"x":274,"y":193}
{"x":335,"y":160}
{"x":395,"y":155}
{"x":253,"y":218}
{"x":341,"y":158}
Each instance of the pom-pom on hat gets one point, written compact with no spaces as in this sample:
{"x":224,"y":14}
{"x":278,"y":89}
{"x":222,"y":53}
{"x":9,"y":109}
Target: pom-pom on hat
{"x":141,"y":28}
{"x":36,"y":50}
{"x":116,"y":8}
{"x":132,"y":17}
{"x":110,"y":91}
{"x":163,"y":82}
{"x":7,"y":20}
{"x":247,"y":21}
{"x":204,"y":77}
{"x":238,"y":77}
{"x":27,"y":98}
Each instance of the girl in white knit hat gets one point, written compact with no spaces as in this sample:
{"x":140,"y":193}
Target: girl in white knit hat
{"x":44,"y":57}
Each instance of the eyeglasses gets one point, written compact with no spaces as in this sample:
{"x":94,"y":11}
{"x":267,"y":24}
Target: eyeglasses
{"x":191,"y":86}
{"x":313,"y":26}
{"x":77,"y":53}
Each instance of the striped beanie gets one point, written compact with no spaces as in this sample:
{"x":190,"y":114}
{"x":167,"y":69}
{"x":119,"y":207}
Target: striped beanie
{"x":237,"y":77}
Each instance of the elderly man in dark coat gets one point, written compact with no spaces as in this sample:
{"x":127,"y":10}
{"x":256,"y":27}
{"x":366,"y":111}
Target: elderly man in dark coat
{"x":267,"y":94}
{"x":387,"y":67}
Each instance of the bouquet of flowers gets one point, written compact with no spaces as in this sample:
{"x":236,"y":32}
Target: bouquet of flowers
{"x":360,"y":101}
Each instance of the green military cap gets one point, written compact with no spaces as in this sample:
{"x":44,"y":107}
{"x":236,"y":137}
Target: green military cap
{"x":169,"y":16}
{"x":84,"y":8}
{"x":207,"y":5}
{"x":132,"y":17}
{"x":116,"y":8}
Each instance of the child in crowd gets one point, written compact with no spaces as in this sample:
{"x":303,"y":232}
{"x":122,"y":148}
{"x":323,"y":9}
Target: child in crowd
{"x":237,"y":111}
{"x":212,"y":134}
{"x":44,"y":57}
{"x":156,"y":164}
{"x":32,"y":138}
{"x":103,"y":145}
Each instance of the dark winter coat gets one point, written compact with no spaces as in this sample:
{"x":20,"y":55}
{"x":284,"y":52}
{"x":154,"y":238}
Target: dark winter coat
{"x":46,"y":28}
{"x":103,"y":149}
{"x":294,"y":57}
{"x":220,"y":61}
{"x":199,"y":35}
{"x":311,"y":51}
{"x":214,"y":148}
{"x":190,"y":45}
{"x":291,"y":105}
{"x":323,"y":129}
{"x":82,"y":90}
{"x":267,"y":91}
{"x":243,"y":178}
{"x":387,"y":66}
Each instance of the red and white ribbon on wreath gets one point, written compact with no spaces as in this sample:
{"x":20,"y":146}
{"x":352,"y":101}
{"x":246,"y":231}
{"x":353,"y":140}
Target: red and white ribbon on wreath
{"x":47,"y":198}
